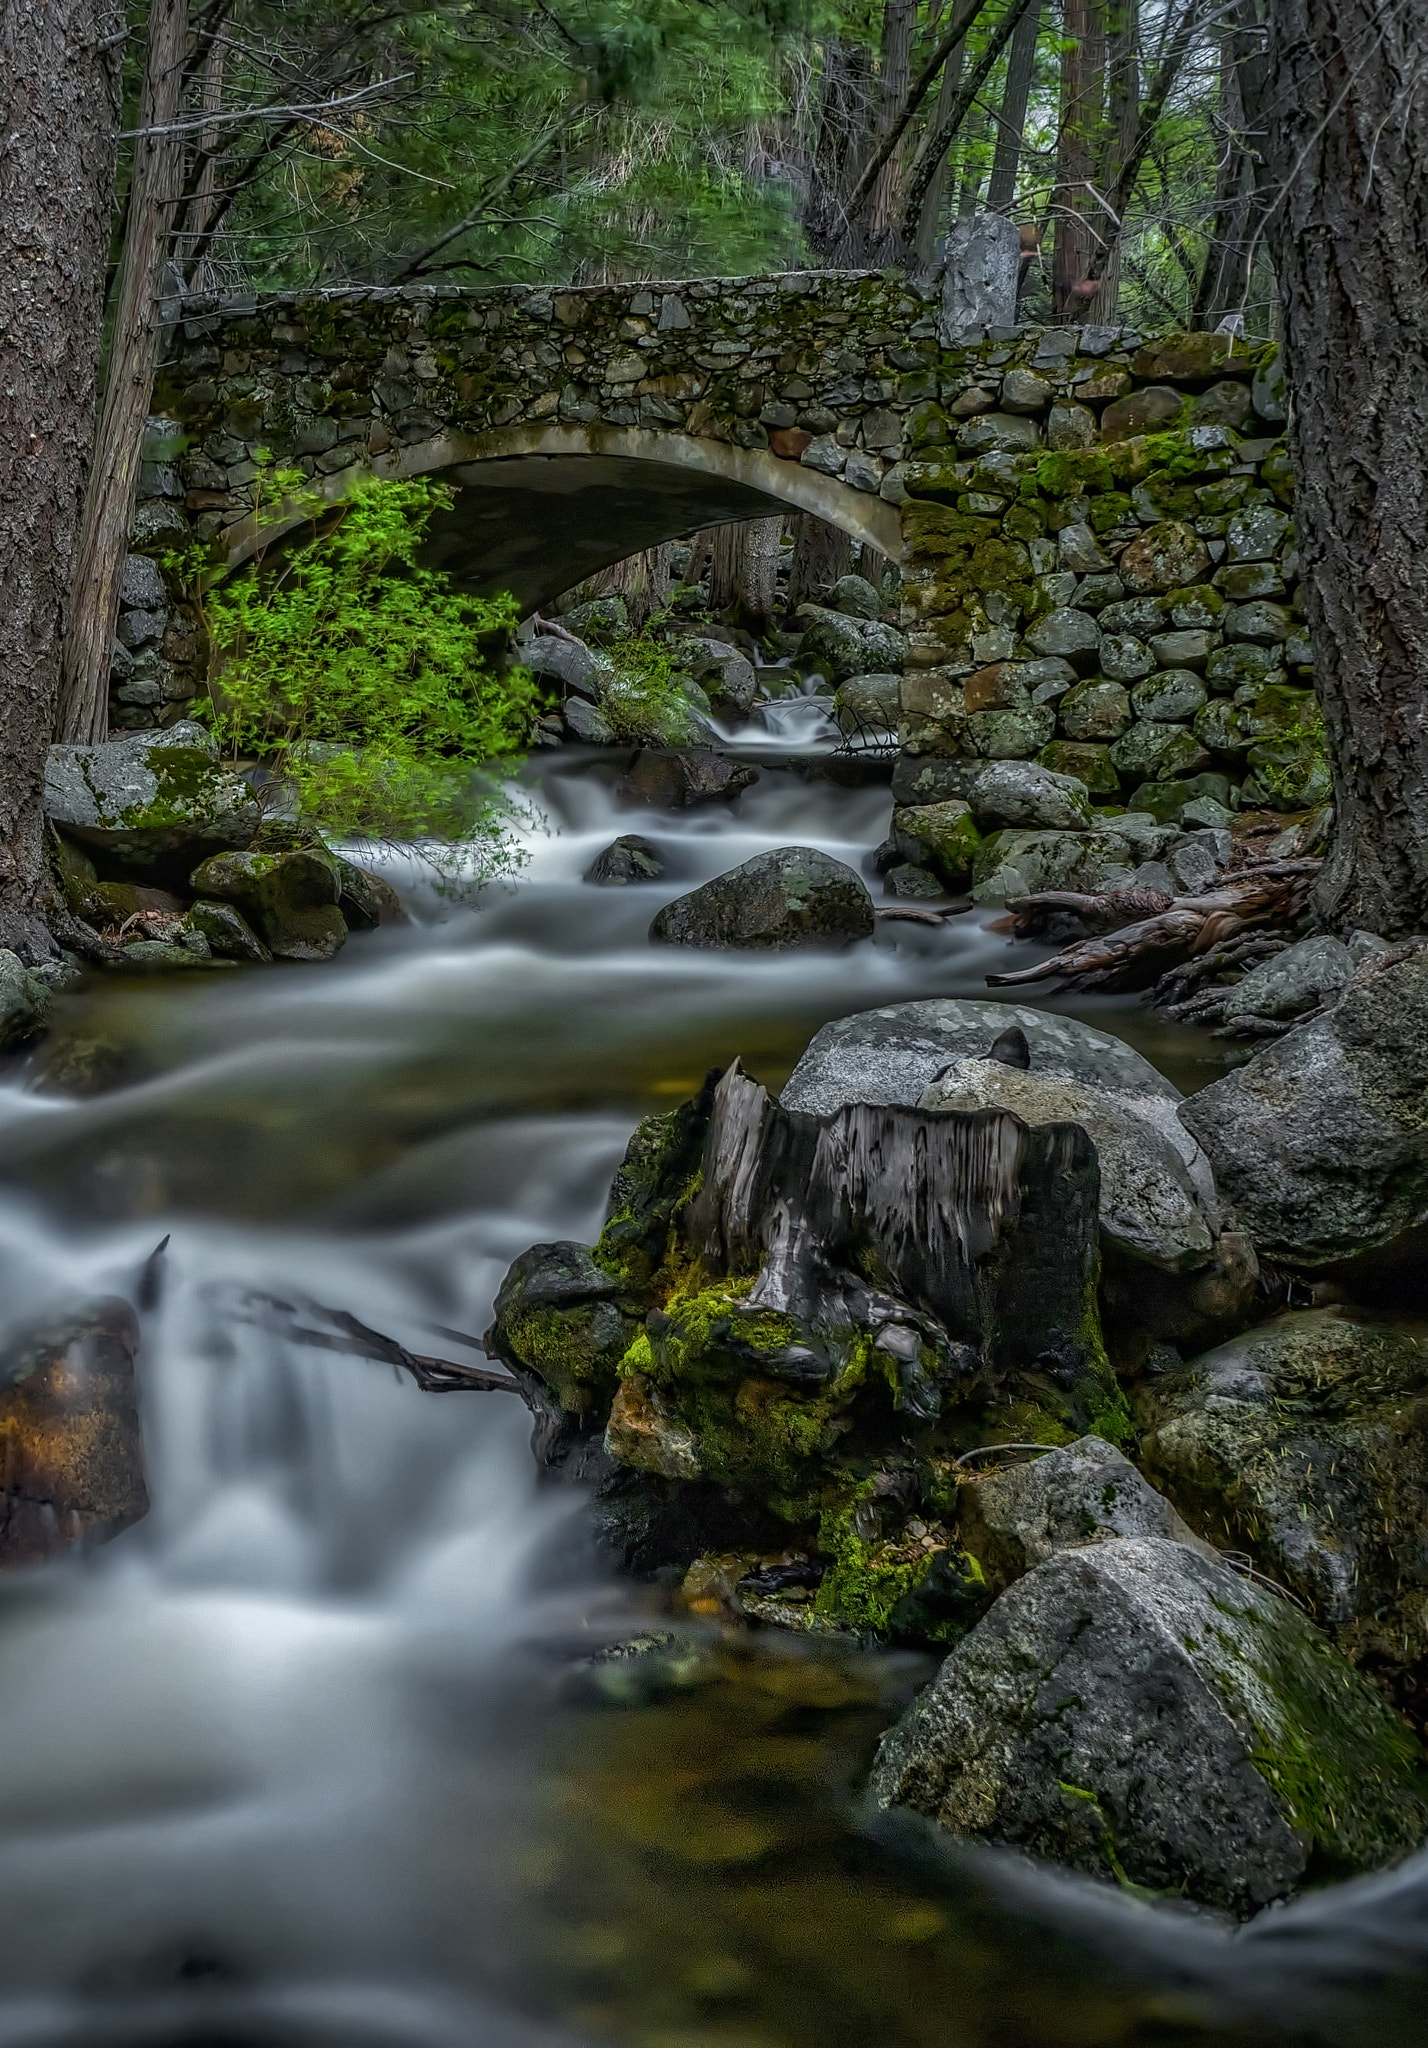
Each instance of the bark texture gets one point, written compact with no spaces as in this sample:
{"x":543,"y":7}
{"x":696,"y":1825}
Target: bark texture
{"x":128,"y":389}
{"x":59,"y":86}
{"x":1345,"y":117}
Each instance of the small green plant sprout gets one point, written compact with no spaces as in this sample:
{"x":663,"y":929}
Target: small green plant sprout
{"x":361,"y":679}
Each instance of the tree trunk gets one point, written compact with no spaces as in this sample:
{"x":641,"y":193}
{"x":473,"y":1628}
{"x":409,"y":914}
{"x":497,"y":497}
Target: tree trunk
{"x":821,"y":554}
{"x":894,"y":78}
{"x":642,"y":580}
{"x":841,"y":144}
{"x":129,"y":386}
{"x":1021,"y":68}
{"x":1345,"y":119}
{"x":59,"y":100}
{"x":1223,"y":287}
{"x":1118,"y":141}
{"x":1078,"y":218}
{"x":931,"y":222}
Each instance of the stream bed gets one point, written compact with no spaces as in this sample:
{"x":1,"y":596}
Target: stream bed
{"x":327,"y":1750}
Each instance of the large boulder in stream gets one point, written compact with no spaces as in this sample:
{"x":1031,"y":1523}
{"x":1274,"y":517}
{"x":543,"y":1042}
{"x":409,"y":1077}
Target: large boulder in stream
{"x":818,"y":1315}
{"x":1137,"y":1711}
{"x":291,"y":897}
{"x":1177,"y":1267}
{"x":794,"y":896}
{"x":73,"y":1453}
{"x":1304,"y":1443}
{"x":1321,"y":1142}
{"x":681,"y":781}
{"x":153,"y":804}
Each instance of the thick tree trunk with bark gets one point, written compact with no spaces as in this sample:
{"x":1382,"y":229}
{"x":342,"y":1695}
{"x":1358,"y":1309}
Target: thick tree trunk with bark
{"x":1224,"y":280}
{"x":821,"y":554}
{"x":1078,"y":217}
{"x":1345,"y":116}
{"x":129,"y":386}
{"x":1021,"y":68}
{"x":59,"y":101}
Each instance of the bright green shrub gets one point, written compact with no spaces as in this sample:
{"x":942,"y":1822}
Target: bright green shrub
{"x":360,"y":677}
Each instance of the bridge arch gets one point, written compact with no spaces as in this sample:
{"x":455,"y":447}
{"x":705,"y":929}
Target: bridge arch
{"x":541,"y":507}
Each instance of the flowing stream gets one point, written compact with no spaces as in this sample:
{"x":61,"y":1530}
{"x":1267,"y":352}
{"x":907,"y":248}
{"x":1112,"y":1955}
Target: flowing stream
{"x":315,"y":1754}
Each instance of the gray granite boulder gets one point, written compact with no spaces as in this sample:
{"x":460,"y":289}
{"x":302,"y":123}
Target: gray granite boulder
{"x":871,"y":701}
{"x":794,"y":896}
{"x":25,"y":996}
{"x":151,"y":804}
{"x":894,"y":1054}
{"x":1304,"y":1443}
{"x":843,"y":646}
{"x":1135,"y":1711}
{"x":1014,"y":1519}
{"x":630,"y":858}
{"x":565,"y":660}
{"x":1320,"y":1141}
{"x":1020,"y":793}
{"x":1293,"y":981}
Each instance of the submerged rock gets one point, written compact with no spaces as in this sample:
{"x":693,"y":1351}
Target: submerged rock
{"x":680,"y":781}
{"x":291,"y":896}
{"x":1133,"y":1710}
{"x":69,"y":1427}
{"x":629,"y":858}
{"x":25,"y":997}
{"x":1014,"y":1519}
{"x":151,"y":804}
{"x":1320,"y":1140}
{"x":1304,"y":1442}
{"x":794,"y":896}
{"x":366,"y":900}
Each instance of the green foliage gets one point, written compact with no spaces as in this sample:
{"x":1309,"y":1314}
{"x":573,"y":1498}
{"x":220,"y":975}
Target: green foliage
{"x":644,"y":699}
{"x":360,"y":676}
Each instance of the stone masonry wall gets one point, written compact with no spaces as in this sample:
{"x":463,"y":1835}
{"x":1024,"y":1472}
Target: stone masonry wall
{"x":1100,"y":574}
{"x":1097,"y":544}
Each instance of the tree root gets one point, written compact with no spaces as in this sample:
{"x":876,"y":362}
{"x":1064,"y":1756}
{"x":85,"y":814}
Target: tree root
{"x":1138,"y":935}
{"x":432,"y":1375}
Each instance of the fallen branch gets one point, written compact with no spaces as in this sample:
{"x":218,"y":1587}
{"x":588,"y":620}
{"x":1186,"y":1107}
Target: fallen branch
{"x":1133,"y":955}
{"x":432,"y":1375}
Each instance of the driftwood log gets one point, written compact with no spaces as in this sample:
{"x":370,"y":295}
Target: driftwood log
{"x":1136,"y":937}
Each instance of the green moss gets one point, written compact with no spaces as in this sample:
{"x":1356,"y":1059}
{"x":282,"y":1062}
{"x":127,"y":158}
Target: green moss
{"x":1074,"y":473}
{"x":577,"y":1351}
{"x":1025,"y":521}
{"x":1109,"y":509}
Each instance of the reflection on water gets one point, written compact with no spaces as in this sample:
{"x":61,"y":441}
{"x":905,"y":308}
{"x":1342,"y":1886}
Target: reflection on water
{"x":297,"y":1759}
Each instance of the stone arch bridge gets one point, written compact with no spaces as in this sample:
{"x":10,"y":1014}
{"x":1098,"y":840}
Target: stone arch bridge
{"x":577,"y":426}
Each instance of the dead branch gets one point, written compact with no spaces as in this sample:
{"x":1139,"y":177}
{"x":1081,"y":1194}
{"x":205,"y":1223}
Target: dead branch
{"x":432,"y":1375}
{"x":1132,"y":955}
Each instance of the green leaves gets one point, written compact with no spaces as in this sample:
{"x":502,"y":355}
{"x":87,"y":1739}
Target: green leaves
{"x":362,"y":676}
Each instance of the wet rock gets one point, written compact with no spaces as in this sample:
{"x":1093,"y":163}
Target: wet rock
{"x":366,"y":899}
{"x":1304,"y":1443}
{"x":1133,"y":1710}
{"x":1095,"y":710}
{"x":998,"y":432}
{"x":1072,"y":634}
{"x":868,"y":702}
{"x":1166,"y":801}
{"x":1070,"y":426}
{"x":1172,"y":695}
{"x":1124,"y":659}
{"x":1010,"y":735}
{"x":558,"y":1319}
{"x":1078,"y":550}
{"x":1164,"y":557}
{"x":1016,"y":862}
{"x":567,"y":662}
{"x":291,"y":897}
{"x":69,"y":1425}
{"x":856,"y":598}
{"x":681,"y":781}
{"x":934,"y":778}
{"x":153,"y":803}
{"x":1319,"y":1140}
{"x":794,"y":896}
{"x":893,"y":1055}
{"x":631,"y":858}
{"x":228,"y":932}
{"x":587,"y":723}
{"x":1024,"y":391}
{"x":1020,"y":793}
{"x":942,"y":838}
{"x":1263,"y":623}
{"x":1175,"y":1264}
{"x":1085,"y":761}
{"x":1226,"y":404}
{"x":603,"y":621}
{"x":168,"y":956}
{"x":1293,"y":981}
{"x":1256,"y":534}
{"x":1015,"y":1518}
{"x":25,"y":998}
{"x":906,"y":879}
{"x":1149,"y":411}
{"x":1150,"y":749}
{"x":845,"y":647}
